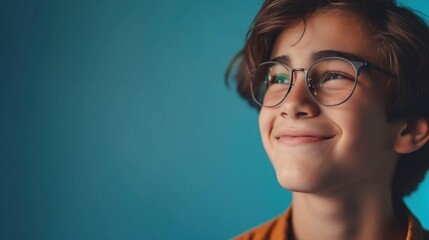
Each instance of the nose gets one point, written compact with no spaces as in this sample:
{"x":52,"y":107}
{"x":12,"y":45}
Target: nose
{"x":298,"y":103}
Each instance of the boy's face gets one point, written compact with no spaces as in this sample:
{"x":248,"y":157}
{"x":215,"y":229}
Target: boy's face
{"x":320,"y":149}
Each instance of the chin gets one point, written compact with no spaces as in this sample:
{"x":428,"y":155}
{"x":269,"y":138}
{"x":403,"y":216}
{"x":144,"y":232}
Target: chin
{"x":302,"y":184}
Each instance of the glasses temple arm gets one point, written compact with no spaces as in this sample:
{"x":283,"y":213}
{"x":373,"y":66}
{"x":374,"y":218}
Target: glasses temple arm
{"x":379,"y":69}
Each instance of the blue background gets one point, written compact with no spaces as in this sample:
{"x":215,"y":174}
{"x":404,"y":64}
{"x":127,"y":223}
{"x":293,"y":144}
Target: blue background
{"x":116,"y":124}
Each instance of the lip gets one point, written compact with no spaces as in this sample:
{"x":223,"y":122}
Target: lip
{"x":297,"y":136}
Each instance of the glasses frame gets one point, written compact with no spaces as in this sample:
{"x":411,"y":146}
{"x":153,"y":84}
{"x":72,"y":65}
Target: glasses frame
{"x":358,"y":65}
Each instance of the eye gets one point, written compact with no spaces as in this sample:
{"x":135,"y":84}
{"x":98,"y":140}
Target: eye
{"x":329,"y":76}
{"x":279,"y":79}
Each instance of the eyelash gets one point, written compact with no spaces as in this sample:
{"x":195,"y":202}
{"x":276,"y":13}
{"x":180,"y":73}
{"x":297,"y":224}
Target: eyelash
{"x":336,"y":74}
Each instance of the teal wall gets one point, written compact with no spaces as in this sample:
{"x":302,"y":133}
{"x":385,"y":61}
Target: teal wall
{"x":116,"y":124}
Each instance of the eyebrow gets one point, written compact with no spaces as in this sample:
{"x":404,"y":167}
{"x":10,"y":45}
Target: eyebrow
{"x":285,"y":59}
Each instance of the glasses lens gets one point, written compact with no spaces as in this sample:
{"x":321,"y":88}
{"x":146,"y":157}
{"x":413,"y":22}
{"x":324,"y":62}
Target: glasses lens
{"x":271,"y":84}
{"x":331,"y":81}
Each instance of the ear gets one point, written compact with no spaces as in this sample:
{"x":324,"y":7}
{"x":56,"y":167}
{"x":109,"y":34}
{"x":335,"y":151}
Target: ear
{"x":412,"y":135}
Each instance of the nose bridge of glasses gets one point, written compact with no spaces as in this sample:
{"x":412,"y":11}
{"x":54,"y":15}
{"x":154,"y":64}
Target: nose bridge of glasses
{"x":293,"y":72}
{"x":294,"y":76}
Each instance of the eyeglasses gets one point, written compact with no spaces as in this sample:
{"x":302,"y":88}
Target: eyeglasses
{"x":330,"y":81}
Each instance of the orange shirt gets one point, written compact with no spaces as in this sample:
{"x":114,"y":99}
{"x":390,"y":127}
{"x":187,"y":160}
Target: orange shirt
{"x":278,"y":228}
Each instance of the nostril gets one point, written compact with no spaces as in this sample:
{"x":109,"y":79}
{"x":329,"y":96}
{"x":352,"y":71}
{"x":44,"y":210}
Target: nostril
{"x":301,"y":114}
{"x":297,"y":115}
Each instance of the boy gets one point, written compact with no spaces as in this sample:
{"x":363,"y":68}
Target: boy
{"x":341,"y":87}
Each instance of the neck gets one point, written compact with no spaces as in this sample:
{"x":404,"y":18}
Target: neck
{"x":347,"y":216}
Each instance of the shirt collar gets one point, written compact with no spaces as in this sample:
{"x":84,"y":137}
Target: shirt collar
{"x":415,"y":230}
{"x":280,"y":227}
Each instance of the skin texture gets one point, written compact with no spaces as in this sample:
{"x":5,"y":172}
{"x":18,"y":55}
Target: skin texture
{"x":338,"y":160}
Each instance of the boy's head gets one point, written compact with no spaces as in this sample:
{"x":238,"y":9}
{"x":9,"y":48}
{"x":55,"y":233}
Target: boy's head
{"x":314,"y":145}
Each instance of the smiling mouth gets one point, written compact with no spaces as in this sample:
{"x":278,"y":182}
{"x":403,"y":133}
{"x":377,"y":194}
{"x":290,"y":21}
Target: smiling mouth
{"x":293,"y":140}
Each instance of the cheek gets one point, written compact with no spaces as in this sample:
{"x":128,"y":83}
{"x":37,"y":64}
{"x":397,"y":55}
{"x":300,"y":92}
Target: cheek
{"x":265,"y":127}
{"x":364,"y":135}
{"x":363,"y":117}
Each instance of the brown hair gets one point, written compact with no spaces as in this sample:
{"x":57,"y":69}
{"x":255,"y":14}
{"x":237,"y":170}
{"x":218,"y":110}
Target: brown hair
{"x":402,"y":40}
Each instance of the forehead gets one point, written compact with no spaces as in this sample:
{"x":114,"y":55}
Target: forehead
{"x":329,"y":30}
